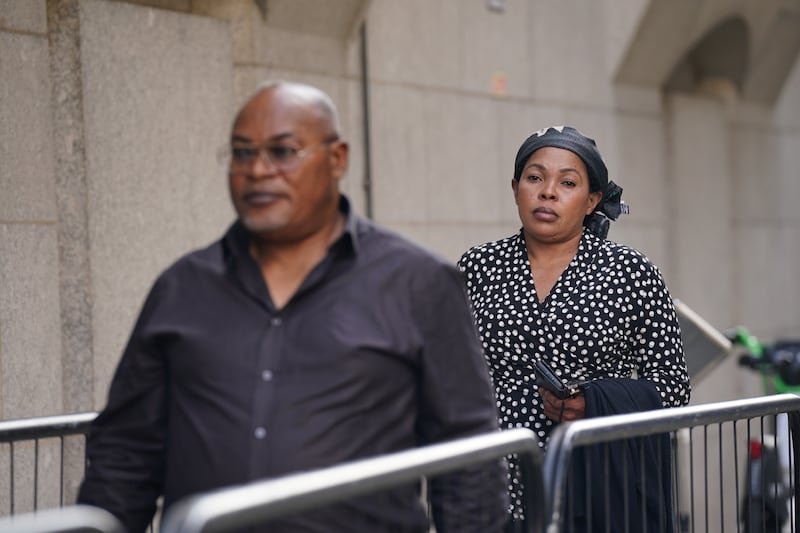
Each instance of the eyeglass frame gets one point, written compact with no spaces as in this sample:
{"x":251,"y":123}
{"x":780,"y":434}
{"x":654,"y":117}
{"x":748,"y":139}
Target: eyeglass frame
{"x":226,"y":157}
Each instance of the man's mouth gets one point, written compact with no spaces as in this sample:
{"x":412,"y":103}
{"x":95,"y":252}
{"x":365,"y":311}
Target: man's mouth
{"x":261,"y":197}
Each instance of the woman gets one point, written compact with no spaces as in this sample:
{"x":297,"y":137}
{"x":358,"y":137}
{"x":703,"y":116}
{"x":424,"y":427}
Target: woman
{"x":559,"y":293}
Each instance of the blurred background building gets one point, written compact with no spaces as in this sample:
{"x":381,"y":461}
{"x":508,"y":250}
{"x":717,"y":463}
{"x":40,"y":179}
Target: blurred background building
{"x":111,"y":113}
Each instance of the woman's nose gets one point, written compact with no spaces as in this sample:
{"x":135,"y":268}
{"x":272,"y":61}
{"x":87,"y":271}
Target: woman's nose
{"x":547,"y":192}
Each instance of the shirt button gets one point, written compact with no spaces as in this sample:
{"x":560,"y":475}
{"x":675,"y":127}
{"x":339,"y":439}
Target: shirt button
{"x":276,"y":321}
{"x":260,"y":433}
{"x":266,"y":375}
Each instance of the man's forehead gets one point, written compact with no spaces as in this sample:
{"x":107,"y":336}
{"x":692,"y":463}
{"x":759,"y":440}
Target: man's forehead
{"x":276,"y":113}
{"x":274,"y":117}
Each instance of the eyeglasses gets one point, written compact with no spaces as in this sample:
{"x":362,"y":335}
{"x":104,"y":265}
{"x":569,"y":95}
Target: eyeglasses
{"x":284,"y":157}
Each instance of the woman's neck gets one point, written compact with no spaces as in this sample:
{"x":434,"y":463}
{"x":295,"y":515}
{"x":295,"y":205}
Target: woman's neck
{"x":548,"y":261}
{"x":550,"y":252}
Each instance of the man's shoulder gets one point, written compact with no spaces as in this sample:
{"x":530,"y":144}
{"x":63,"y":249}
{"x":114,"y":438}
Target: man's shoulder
{"x":377,"y":240}
{"x":209,"y":260}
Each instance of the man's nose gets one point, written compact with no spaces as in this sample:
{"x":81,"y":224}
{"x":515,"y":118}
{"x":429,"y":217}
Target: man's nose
{"x":263,"y":165}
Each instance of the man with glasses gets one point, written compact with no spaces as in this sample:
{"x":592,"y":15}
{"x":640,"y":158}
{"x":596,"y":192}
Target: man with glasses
{"x":307,"y":336}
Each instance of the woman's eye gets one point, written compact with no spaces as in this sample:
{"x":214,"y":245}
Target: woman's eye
{"x":569,"y":183}
{"x":533,"y":177}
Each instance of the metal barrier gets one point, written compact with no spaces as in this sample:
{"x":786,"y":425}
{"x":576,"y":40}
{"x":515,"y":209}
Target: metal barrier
{"x":33,"y":445}
{"x":259,"y":502}
{"x":754,"y":495}
{"x":708,"y":445}
{"x":69,"y":519}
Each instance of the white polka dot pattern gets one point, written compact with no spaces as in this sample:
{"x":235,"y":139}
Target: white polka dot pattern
{"x":609,"y":315}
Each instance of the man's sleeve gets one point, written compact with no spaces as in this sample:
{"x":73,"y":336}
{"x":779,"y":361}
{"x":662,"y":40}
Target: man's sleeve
{"x":125,"y":446}
{"x":457,"y":400}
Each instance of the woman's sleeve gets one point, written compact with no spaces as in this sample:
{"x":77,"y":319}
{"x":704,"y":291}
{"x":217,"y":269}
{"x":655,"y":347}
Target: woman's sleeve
{"x":657,"y":342}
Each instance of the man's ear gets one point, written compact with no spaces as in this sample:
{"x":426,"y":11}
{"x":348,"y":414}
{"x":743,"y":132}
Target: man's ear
{"x":339,"y":157}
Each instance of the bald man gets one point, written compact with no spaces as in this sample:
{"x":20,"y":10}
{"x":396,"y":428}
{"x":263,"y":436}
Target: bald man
{"x":305,"y":337}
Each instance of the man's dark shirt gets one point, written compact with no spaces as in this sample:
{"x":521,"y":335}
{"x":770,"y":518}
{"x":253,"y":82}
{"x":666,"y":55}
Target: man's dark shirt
{"x":376,"y":352}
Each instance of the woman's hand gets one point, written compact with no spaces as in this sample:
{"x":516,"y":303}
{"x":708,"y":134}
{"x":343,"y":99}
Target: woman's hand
{"x":562,"y":410}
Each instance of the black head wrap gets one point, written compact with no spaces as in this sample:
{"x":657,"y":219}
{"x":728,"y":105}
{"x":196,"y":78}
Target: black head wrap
{"x":568,"y":138}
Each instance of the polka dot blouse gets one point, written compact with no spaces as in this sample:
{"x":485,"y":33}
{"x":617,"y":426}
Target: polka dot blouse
{"x":609,"y":315}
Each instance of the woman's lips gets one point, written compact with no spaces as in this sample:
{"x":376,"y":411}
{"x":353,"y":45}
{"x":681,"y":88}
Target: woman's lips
{"x":544,"y":214}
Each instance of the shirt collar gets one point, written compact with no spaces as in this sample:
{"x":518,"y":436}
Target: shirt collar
{"x":237,"y":238}
{"x":352,"y":222}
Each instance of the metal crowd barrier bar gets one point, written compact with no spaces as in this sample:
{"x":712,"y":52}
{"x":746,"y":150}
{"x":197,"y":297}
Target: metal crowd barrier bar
{"x":16,"y":433}
{"x":45,"y":426}
{"x":69,"y":519}
{"x":750,"y":412}
{"x":258,"y":502}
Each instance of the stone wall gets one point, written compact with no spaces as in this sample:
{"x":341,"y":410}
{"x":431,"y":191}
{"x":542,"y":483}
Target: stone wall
{"x":111,"y":113}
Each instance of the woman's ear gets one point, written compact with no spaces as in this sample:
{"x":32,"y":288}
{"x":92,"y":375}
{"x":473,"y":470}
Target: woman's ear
{"x":515,"y":188}
{"x":594,"y":201}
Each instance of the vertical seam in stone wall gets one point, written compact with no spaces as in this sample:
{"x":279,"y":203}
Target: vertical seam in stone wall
{"x":367,"y":179}
{"x":2,"y":415}
{"x":672,"y":195}
{"x":63,"y":26}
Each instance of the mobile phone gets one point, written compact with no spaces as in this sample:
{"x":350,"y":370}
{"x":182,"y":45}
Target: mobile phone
{"x":547,"y":378}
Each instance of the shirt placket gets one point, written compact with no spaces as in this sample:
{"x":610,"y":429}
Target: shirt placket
{"x":262,"y":430}
{"x":274,"y":347}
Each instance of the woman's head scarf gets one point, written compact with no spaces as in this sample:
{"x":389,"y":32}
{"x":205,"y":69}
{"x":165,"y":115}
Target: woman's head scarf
{"x":569,"y":138}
